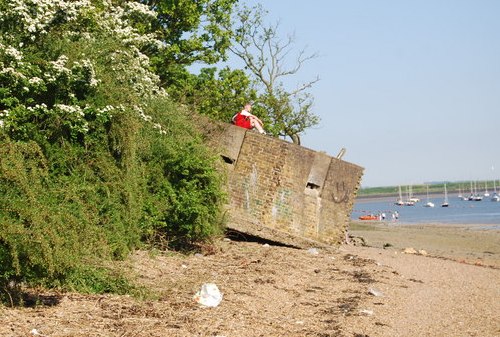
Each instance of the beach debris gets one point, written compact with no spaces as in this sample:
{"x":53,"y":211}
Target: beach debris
{"x":266,"y":245}
{"x":375,"y":292}
{"x":410,"y":250}
{"x":313,"y":251}
{"x":34,"y":332}
{"x":184,"y":266}
{"x":209,"y":295}
{"x":366,"y":312}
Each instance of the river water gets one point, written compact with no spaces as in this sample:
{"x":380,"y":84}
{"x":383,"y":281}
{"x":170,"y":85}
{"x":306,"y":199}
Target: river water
{"x":458,"y":212}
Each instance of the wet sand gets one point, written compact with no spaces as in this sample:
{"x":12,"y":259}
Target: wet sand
{"x":475,"y":244}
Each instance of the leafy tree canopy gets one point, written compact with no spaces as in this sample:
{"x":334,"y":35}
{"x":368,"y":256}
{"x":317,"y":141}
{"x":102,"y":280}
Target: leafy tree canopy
{"x":191,"y":31}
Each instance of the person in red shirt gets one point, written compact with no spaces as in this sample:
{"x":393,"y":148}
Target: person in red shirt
{"x":247,"y":120}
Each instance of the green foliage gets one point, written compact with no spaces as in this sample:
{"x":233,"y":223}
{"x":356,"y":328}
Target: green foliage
{"x":89,"y":279}
{"x":185,"y":199}
{"x":217,"y":94}
{"x":47,"y":228}
{"x":94,"y":157}
{"x":192,"y":32}
{"x":284,"y":117}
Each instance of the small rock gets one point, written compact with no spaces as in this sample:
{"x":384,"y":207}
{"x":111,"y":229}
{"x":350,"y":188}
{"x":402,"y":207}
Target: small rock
{"x":375,"y":292}
{"x":410,"y":250}
{"x":366,"y":312}
{"x":422,"y":252}
{"x":313,"y":251}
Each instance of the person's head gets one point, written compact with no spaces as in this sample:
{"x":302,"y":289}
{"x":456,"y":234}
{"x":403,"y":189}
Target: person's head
{"x":248,"y":106}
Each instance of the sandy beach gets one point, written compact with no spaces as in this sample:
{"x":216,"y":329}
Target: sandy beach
{"x":473,"y":244}
{"x":451,"y":289}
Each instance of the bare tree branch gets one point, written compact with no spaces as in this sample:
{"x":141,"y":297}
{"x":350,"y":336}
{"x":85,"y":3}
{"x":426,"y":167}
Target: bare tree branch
{"x":265,"y":56}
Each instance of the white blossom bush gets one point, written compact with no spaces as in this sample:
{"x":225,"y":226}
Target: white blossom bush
{"x":69,"y":80}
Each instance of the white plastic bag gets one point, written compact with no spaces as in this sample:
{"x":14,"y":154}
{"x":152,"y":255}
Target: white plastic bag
{"x":209,"y":295}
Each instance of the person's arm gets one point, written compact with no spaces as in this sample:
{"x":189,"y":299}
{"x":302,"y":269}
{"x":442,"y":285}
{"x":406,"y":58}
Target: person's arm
{"x":248,"y":114}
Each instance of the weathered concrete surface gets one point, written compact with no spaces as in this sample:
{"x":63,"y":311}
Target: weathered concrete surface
{"x":282,"y":191}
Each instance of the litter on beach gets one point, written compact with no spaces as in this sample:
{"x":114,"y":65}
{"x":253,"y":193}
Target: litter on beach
{"x":209,"y":295}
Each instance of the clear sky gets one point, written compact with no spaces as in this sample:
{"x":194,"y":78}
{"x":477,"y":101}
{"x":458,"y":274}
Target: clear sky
{"x":410,"y":88}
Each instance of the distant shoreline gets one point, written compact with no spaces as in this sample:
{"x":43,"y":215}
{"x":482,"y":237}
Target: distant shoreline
{"x":394,"y":197}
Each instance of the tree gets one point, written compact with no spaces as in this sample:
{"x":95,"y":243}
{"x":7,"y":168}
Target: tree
{"x":265,"y":55}
{"x":215,"y":93}
{"x":191,"y":31}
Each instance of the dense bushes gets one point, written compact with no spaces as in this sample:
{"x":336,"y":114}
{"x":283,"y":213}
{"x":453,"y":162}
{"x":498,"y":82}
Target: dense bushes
{"x":94,"y":157}
{"x":65,"y":209}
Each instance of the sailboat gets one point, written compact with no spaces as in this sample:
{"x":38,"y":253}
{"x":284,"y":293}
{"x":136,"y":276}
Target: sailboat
{"x":445,"y":202}
{"x":477,"y":196}
{"x":399,"y":201}
{"x":462,"y":196}
{"x":495,"y":196}
{"x":428,"y":203}
{"x":410,"y":200}
{"x":471,"y":196}
{"x":486,"y":193}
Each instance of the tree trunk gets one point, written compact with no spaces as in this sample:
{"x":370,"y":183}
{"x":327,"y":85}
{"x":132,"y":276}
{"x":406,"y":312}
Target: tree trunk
{"x":295,"y":139}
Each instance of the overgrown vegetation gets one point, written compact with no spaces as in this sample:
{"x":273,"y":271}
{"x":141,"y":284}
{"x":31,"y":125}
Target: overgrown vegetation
{"x":95,"y":158}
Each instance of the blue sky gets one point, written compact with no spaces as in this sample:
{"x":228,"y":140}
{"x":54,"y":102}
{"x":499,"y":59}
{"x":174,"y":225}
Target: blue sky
{"x":410,"y":88}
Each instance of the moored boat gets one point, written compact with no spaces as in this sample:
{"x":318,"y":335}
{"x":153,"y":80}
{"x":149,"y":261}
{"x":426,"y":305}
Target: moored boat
{"x":445,"y":202}
{"x":369,"y":217}
{"x":399,"y":201}
{"x":495,"y":196}
{"x":428,"y":203}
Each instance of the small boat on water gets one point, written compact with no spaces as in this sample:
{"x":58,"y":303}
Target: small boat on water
{"x":410,"y":200}
{"x":461,"y":196}
{"x":486,"y":193}
{"x":369,"y":217}
{"x":428,"y":203}
{"x":445,"y":202}
{"x":495,"y":196}
{"x":399,"y":201}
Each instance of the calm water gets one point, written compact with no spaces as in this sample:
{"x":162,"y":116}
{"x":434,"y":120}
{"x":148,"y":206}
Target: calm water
{"x":459,"y":211}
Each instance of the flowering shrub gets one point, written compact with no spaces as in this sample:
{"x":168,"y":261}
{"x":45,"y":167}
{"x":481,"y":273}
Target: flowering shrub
{"x":32,"y":82}
{"x":83,"y":117}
